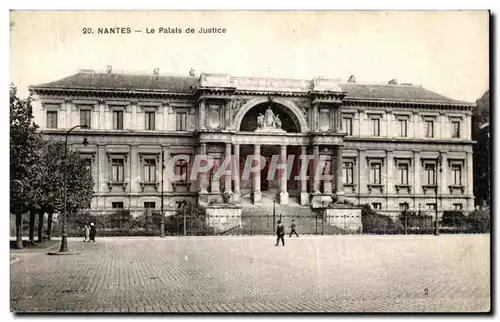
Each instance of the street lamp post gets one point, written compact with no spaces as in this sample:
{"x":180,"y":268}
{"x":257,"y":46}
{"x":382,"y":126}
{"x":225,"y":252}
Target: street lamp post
{"x":162,"y":218}
{"x":439,"y":163}
{"x":64,"y":239}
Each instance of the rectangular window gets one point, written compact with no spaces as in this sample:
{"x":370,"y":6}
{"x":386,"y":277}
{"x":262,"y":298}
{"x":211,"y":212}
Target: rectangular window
{"x":118,"y":120}
{"x":377,"y":205}
{"x":348,"y":125}
{"x":180,"y":169}
{"x":404,"y":206}
{"x":375,"y":127}
{"x":86,"y":118}
{"x":117,"y":205}
{"x":149,"y":205}
{"x":429,"y":129}
{"x":456,"y":173}
{"x":431,"y":206}
{"x":403,"y":128}
{"x":181,"y":121}
{"x":456,"y":129}
{"x":150,"y":170}
{"x":375,"y":173}
{"x":150,"y":121}
{"x":52,"y":119}
{"x":403,"y":173}
{"x":457,"y":206}
{"x":348,"y":173}
{"x":430,"y":173}
{"x":117,"y":170}
{"x":88,"y":165}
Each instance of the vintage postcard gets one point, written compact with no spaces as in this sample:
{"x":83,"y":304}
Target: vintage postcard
{"x":250,"y":161}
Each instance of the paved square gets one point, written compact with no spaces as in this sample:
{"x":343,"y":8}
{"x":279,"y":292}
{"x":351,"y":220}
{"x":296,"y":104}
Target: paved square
{"x":449,"y":273}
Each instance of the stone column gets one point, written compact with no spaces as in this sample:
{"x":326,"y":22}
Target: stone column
{"x":339,"y":120}
{"x":201,"y":115}
{"x":257,"y":195}
{"x":236,"y":173}
{"x":283,"y":177}
{"x":227,"y":179}
{"x":203,"y":175}
{"x":215,"y":182}
{"x":315,"y":117}
{"x":304,"y":196}
{"x":469,"y":188}
{"x":327,"y":184}
{"x":339,"y":186}
{"x":315,"y":170}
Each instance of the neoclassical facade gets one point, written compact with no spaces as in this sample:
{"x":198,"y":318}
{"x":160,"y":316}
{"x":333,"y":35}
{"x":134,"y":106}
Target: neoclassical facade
{"x":381,"y":144}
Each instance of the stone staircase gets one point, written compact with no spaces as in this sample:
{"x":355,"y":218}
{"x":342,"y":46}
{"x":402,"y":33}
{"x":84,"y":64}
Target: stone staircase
{"x":258,"y":219}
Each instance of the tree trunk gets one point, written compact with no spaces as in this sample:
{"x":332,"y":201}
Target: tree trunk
{"x":40,"y":227}
{"x":32,"y":228}
{"x":49,"y":226}
{"x":19,"y":231}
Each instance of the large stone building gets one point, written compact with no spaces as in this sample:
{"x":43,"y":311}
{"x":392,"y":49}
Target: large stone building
{"x":381,"y":143}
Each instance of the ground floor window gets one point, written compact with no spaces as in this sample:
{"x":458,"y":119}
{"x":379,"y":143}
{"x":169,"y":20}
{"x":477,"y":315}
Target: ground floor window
{"x":117,"y":205}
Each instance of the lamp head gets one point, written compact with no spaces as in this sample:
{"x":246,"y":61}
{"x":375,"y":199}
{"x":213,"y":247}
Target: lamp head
{"x":85,"y":142}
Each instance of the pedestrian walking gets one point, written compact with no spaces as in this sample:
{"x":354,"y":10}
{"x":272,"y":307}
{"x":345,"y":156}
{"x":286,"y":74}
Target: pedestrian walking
{"x":280,"y":234}
{"x":86,"y":233}
{"x":292,"y":229}
{"x":92,"y":232}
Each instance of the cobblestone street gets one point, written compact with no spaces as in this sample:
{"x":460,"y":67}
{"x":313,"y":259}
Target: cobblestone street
{"x":449,"y":273}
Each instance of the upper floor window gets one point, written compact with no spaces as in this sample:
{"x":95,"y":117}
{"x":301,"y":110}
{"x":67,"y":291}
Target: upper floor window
{"x":150,"y":170}
{"x":150,"y":120}
{"x":52,"y":119}
{"x":429,"y":128}
{"x":86,"y":118}
{"x":348,"y":176}
{"x":403,"y":128}
{"x":181,"y":169}
{"x":375,"y":122}
{"x":347,"y":123}
{"x":431,"y":206}
{"x":181,"y":121}
{"x":404,"y":206}
{"x":118,"y":120}
{"x":403,"y":173}
{"x":117,"y":170}
{"x":377,"y":205}
{"x":430,"y":173}
{"x":375,"y":173}
{"x":457,"y":206}
{"x":456,"y":129}
{"x":456,"y":174}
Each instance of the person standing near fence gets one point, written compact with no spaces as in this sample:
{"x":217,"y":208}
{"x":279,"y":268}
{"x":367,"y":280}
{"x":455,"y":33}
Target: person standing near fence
{"x":292,"y":229}
{"x":86,"y":233}
{"x":280,"y":234}
{"x":92,"y":232}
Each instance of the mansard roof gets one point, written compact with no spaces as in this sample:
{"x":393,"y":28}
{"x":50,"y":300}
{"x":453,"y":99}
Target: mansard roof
{"x":186,"y":85}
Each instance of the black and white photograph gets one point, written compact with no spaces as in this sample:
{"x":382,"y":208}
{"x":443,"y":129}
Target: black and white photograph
{"x":250,"y":161}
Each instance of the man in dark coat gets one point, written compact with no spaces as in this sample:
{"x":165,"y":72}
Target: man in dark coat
{"x":92,"y":232}
{"x":292,"y":229}
{"x":280,"y":233}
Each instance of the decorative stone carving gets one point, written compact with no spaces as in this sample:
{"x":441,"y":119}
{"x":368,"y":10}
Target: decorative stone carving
{"x":101,"y":101}
{"x":68,"y":100}
{"x":269,"y":121}
{"x":213,"y":116}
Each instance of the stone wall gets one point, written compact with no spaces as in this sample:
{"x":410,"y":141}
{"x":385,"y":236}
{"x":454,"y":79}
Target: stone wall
{"x":344,"y":218}
{"x":223,"y":218}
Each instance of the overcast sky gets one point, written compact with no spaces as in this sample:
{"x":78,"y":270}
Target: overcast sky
{"x":446,"y":52}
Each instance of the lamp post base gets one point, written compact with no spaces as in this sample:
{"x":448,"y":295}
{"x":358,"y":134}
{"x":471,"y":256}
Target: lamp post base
{"x":436,"y":230}
{"x":64,"y":244}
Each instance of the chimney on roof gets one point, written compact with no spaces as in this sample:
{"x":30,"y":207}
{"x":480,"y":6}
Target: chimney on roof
{"x":393,"y":82}
{"x":352,"y":79}
{"x":192,"y":72}
{"x":156,"y":71}
{"x":109,"y":68}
